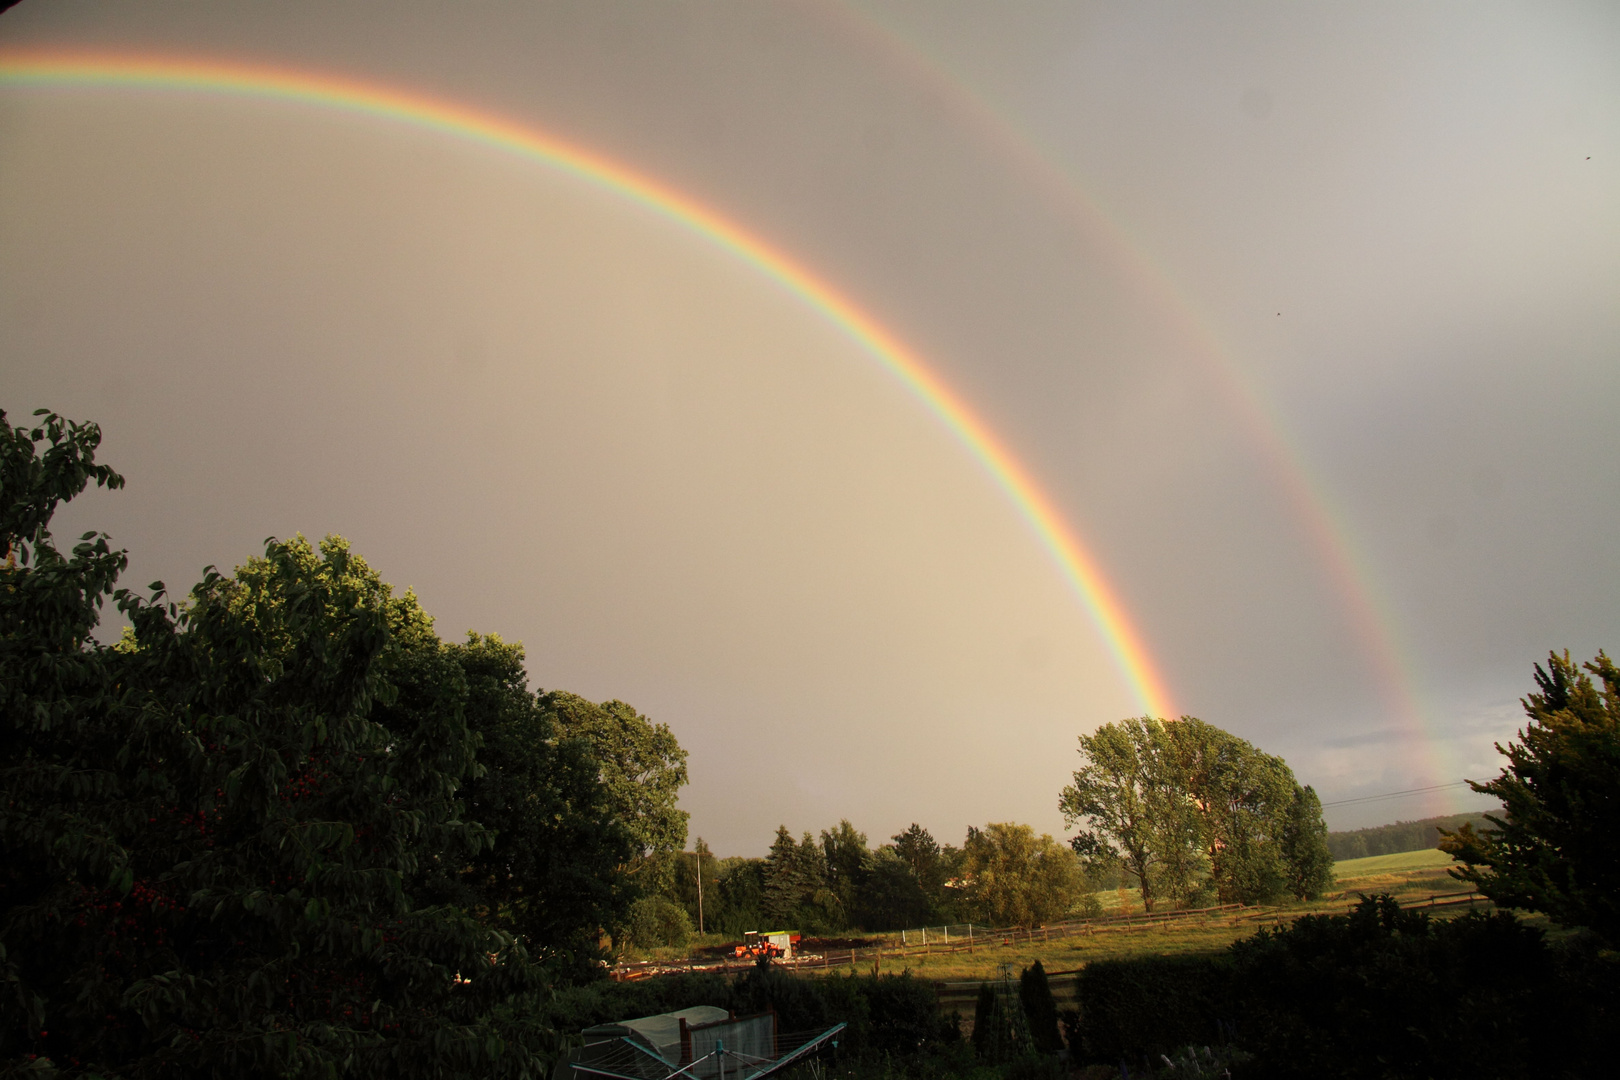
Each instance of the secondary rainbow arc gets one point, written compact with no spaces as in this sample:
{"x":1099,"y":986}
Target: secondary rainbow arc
{"x":1367,"y":608}
{"x":46,"y":68}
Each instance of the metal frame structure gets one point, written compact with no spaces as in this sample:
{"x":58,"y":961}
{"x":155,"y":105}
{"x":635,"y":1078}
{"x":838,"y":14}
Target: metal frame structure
{"x":634,"y":1061}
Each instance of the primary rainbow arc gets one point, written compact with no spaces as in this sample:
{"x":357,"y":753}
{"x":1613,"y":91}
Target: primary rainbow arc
{"x":45,"y":68}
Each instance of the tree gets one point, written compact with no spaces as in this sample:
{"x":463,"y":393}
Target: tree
{"x":657,"y":922}
{"x":1040,"y":1008}
{"x":1240,"y":798}
{"x":643,"y":769}
{"x":207,"y":831}
{"x":795,"y":885}
{"x":1307,"y":862}
{"x":1556,"y":846}
{"x":1135,"y":809}
{"x":787,"y":886}
{"x":552,"y":872}
{"x":702,"y":901}
{"x":1014,"y":877}
{"x":846,"y":857}
{"x":920,"y":851}
{"x":891,"y":899}
{"x":740,"y":887}
{"x":1190,"y":811}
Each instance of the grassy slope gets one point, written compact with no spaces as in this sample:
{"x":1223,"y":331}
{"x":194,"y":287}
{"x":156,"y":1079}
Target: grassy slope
{"x":1384,"y":864}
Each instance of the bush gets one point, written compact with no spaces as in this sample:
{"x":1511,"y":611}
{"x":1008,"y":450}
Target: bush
{"x":1149,"y":1006}
{"x":657,"y":922}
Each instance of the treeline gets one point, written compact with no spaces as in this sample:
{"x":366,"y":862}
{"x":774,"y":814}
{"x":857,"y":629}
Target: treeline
{"x":1003,"y":874}
{"x":1402,"y":836}
{"x":281,"y":827}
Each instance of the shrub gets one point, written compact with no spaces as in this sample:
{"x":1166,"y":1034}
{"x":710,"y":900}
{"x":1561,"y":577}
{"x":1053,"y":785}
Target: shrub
{"x":1149,"y":1006}
{"x":658,"y":922}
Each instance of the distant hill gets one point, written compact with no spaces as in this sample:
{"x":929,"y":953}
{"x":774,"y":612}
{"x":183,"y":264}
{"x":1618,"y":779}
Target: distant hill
{"x":1401,"y":836}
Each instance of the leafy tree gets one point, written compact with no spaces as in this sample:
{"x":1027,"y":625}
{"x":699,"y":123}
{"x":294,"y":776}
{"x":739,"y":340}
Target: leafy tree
{"x":1133,"y":806}
{"x":1240,"y":798}
{"x":207,"y":832}
{"x":657,"y":922}
{"x":1307,"y":862}
{"x":684,"y":886}
{"x":552,"y":871}
{"x":1556,"y":846}
{"x":846,"y":857}
{"x":643,"y":768}
{"x":740,"y":886}
{"x":1017,"y":878}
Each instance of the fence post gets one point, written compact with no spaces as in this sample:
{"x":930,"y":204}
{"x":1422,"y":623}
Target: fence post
{"x":970,"y":939}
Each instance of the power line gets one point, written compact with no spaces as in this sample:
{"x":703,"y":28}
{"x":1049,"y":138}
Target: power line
{"x":1396,"y":794}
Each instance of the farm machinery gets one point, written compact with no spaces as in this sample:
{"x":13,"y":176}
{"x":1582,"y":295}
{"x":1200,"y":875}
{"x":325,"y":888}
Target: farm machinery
{"x":769,"y":945}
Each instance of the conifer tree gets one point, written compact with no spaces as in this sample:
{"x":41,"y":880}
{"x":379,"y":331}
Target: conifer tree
{"x":1040,"y":1008}
{"x":1555,"y":847}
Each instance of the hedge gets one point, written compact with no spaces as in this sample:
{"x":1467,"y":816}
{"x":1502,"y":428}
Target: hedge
{"x":1381,"y":992}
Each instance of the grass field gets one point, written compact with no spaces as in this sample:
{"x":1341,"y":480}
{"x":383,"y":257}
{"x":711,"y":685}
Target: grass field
{"x":1409,"y":876}
{"x":1405,"y":876}
{"x":1385,"y":864}
{"x":1074,"y":952}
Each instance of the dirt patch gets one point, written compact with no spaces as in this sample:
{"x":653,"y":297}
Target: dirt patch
{"x":822,"y":944}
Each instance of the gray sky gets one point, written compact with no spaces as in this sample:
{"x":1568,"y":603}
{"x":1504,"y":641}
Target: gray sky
{"x":1305,"y":316}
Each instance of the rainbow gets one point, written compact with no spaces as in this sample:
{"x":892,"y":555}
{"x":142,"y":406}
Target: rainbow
{"x":35,"y":68}
{"x":1365,"y":606}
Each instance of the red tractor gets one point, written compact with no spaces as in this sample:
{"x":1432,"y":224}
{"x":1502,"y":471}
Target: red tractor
{"x":771,"y":944}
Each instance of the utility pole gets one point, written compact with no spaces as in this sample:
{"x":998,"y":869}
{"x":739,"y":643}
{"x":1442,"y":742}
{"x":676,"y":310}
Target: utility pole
{"x":698,"y":851}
